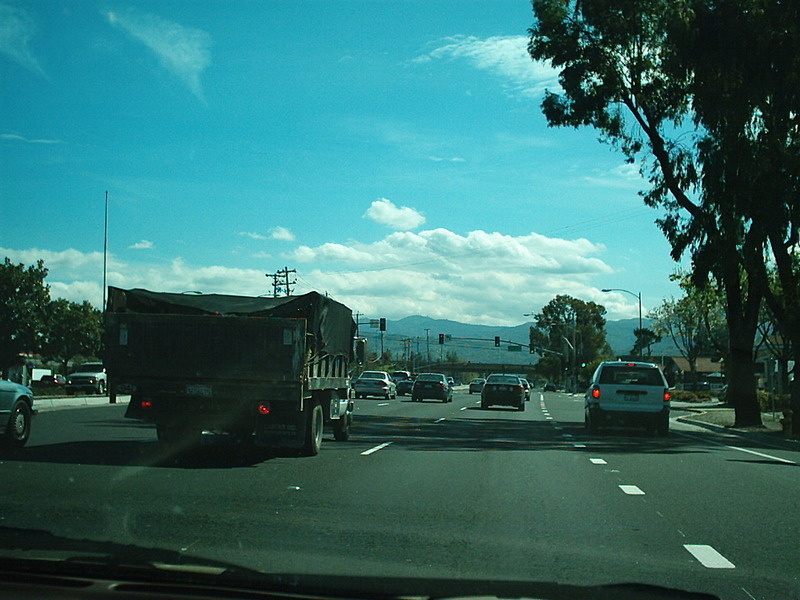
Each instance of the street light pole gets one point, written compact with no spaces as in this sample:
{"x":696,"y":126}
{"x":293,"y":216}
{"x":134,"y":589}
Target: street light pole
{"x":639,"y":298}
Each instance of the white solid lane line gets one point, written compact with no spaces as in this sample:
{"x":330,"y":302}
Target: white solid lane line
{"x":631,"y":490}
{"x":761,"y":454}
{"x":375,"y":449}
{"x":709,"y":557}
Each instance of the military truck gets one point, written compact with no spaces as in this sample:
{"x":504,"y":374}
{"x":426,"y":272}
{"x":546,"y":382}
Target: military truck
{"x":263,"y":371}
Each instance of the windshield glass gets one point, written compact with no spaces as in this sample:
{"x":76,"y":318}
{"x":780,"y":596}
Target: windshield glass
{"x":233,"y":219}
{"x":373,"y":375}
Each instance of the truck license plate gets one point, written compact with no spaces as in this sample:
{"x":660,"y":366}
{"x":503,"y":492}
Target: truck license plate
{"x":198,"y":389}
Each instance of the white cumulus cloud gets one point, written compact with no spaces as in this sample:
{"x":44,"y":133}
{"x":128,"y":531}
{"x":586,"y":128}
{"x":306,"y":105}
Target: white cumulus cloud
{"x":385,"y":212}
{"x":480,"y":277}
{"x":281,"y":233}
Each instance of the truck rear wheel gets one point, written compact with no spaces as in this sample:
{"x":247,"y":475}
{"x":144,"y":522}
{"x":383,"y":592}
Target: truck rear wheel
{"x":314,"y":427}
{"x":341,"y":427}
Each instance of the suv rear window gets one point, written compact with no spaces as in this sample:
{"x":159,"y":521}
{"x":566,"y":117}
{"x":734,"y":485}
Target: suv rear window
{"x":430,"y":377}
{"x":503,"y":379}
{"x":631,"y":375}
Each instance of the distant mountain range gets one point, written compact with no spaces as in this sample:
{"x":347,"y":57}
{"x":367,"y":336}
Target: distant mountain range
{"x":475,"y":343}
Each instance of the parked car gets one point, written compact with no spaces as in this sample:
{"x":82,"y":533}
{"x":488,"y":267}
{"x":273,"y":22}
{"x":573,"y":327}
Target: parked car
{"x":89,"y":378}
{"x":404,"y":386}
{"x":550,"y":387}
{"x":16,"y":414}
{"x":506,"y":390}
{"x":433,"y":386}
{"x":52,"y":380}
{"x":375,"y":383}
{"x":476,"y":385}
{"x":628,"y":393}
{"x":528,"y":387}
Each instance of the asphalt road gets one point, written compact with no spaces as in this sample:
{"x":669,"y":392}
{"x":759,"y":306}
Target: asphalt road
{"x":432,"y":490}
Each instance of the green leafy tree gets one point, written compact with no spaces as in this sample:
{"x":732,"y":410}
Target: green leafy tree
{"x":550,"y":367}
{"x":744,"y":56}
{"x":24,"y":299}
{"x":644,"y":339}
{"x":71,"y":329}
{"x":624,"y":70}
{"x":682,"y":321}
{"x":572,"y":327}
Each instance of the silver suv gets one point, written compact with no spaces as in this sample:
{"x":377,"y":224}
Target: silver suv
{"x":628,"y":393}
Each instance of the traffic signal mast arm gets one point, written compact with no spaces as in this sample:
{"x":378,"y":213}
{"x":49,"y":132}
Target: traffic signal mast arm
{"x":497,"y":341}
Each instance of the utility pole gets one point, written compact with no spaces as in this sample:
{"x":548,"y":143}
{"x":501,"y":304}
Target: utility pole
{"x":428,"y":343}
{"x":280,"y":281}
{"x":105,"y":254}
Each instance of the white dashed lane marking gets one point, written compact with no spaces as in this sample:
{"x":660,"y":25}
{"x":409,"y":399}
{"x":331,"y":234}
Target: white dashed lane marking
{"x":598,"y":461}
{"x":631,"y":490}
{"x":375,"y":449}
{"x":709,"y":557}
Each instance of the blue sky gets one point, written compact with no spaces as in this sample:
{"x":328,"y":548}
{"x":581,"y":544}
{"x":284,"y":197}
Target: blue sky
{"x":392,"y":152}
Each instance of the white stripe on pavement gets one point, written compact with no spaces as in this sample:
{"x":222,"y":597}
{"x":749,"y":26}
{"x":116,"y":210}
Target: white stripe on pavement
{"x":440,"y":420}
{"x":631,"y":490}
{"x":761,"y":454}
{"x":709,"y":557}
{"x":375,"y":449}
{"x":598,"y":461}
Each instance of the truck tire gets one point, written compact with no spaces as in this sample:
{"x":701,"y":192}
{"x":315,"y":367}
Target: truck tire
{"x":19,"y":426}
{"x":314,"y":427}
{"x":341,"y":428}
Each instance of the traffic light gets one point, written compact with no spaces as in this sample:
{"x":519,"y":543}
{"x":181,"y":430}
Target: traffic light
{"x":441,"y":338}
{"x":382,"y":324}
{"x":497,"y":340}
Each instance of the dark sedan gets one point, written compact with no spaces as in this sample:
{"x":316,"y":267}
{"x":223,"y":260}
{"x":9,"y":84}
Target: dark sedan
{"x":433,"y":386}
{"x":505,"y":390}
{"x":404,"y":386}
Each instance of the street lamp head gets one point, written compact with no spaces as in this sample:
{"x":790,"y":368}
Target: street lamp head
{"x":606,"y":290}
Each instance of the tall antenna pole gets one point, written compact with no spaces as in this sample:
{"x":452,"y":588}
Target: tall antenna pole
{"x":105,"y":254}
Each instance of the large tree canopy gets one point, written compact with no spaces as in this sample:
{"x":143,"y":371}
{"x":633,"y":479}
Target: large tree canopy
{"x":24,"y":300}
{"x":640,"y":71}
{"x":72,"y":329}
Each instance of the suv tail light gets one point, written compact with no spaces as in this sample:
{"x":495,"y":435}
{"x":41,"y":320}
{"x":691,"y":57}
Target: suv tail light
{"x":595,"y":392}
{"x":667,"y":395}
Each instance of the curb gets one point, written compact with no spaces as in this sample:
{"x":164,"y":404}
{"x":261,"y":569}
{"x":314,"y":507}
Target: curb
{"x":783,"y":443}
{"x":47,"y":404}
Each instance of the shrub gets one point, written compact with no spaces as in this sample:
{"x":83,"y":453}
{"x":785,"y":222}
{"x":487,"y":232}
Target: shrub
{"x":765,"y":401}
{"x":683,"y":396}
